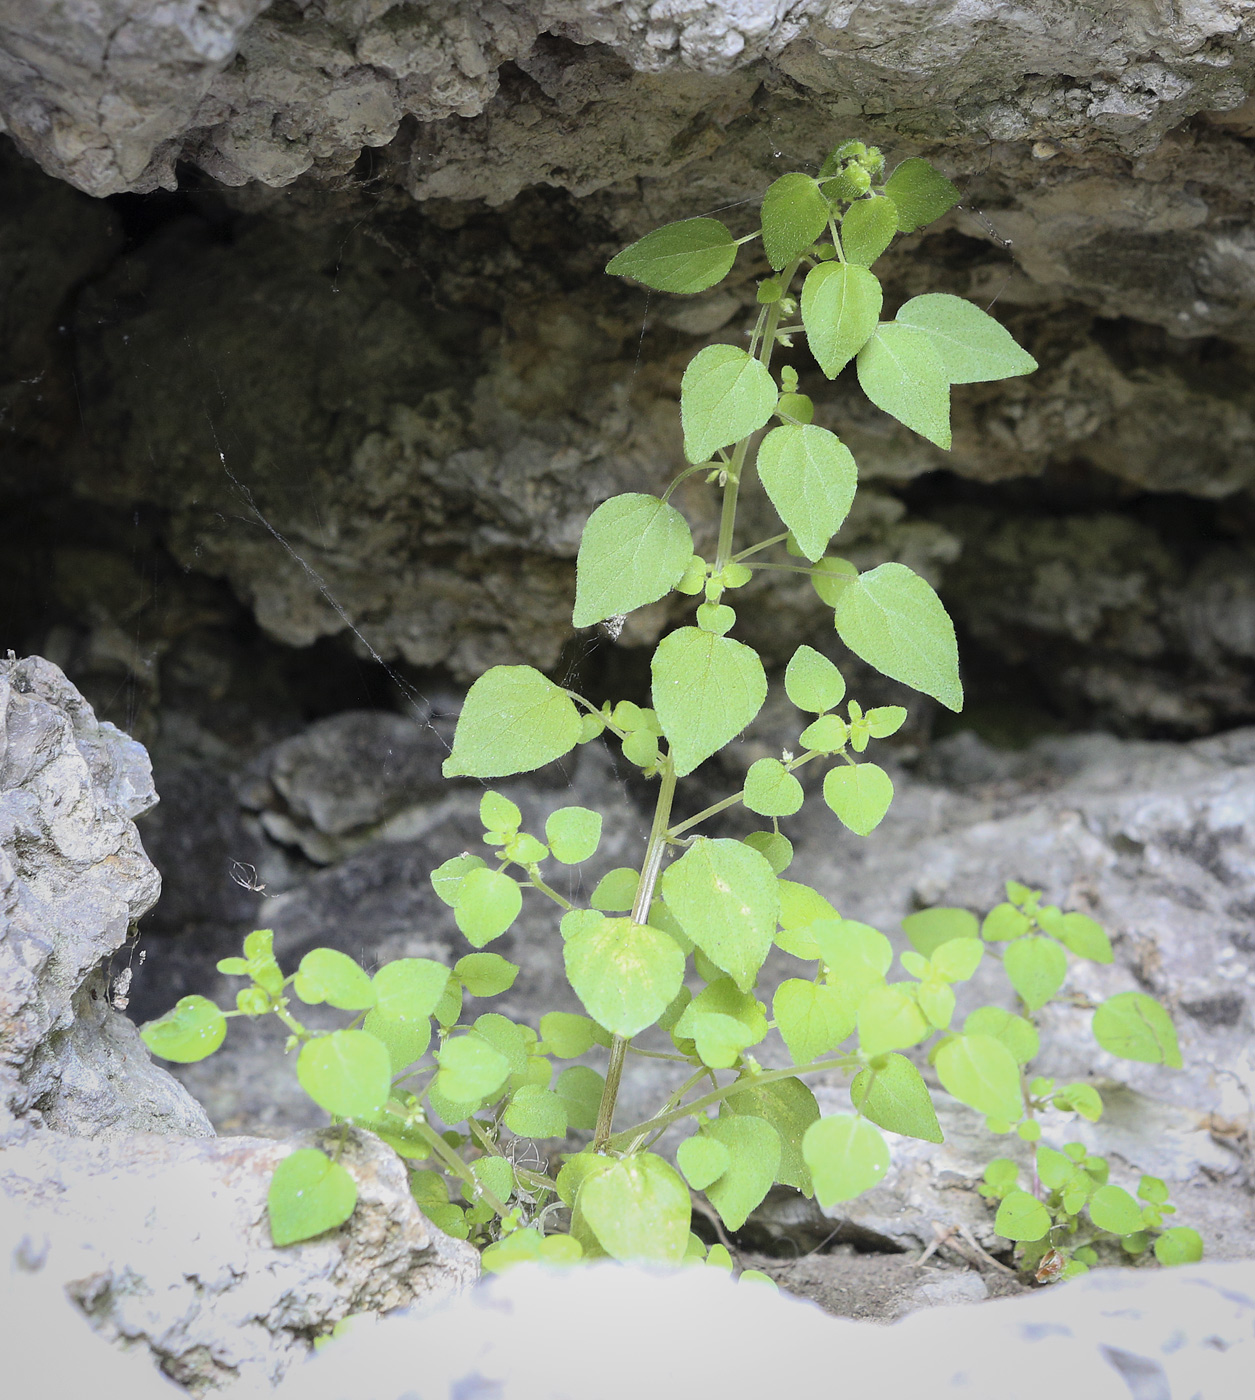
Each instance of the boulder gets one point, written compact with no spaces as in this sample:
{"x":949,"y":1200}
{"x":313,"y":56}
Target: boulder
{"x":163,"y":1243}
{"x":609,"y":1333}
{"x":74,"y":881}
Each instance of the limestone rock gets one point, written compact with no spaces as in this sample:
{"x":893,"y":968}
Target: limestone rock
{"x":164,"y":1244}
{"x":75,"y":880}
{"x":543,"y":1335}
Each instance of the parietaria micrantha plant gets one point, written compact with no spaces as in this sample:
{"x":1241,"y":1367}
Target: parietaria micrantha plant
{"x":450,"y":1093}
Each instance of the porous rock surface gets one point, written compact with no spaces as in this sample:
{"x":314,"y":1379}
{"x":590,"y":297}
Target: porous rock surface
{"x":74,"y":882}
{"x":610,"y":1333}
{"x":378,"y":380}
{"x":164,"y":1244}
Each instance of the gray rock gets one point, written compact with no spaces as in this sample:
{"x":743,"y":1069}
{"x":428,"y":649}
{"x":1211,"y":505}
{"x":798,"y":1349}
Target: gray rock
{"x":74,"y":881}
{"x":1157,"y":842}
{"x":164,"y":1245}
{"x":110,"y":98}
{"x":544,"y":1335}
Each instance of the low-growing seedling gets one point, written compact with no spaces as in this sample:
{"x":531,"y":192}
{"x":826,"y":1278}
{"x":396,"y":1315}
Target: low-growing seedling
{"x":679,"y":943}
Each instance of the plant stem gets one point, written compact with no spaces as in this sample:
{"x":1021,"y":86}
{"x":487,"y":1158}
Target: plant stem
{"x":716,"y":808}
{"x":732,"y":486}
{"x":755,"y":548}
{"x":664,"y":1120}
{"x":458,"y":1167}
{"x":538,"y":884}
{"x":650,"y":870}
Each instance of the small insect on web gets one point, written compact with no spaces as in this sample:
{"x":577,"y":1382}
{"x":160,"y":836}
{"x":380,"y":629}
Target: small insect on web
{"x":245,"y":876}
{"x":613,"y":626}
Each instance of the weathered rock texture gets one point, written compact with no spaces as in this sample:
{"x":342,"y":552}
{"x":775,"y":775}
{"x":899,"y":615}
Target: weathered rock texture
{"x":532,"y":1335}
{"x":164,"y":1244}
{"x":379,"y":388}
{"x":74,"y":881}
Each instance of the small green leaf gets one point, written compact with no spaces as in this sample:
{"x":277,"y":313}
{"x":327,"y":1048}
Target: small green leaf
{"x":633,"y":551}
{"x":496,"y":1174}
{"x":725,"y":395}
{"x":828,"y":734}
{"x":754,"y":1147}
{"x":703,"y":1160}
{"x":810,"y":476}
{"x":1179,"y":1245}
{"x":573,"y":834}
{"x":615,"y":892}
{"x":470,"y":1069}
{"x":410,"y":988}
{"x":1022,"y":1217}
{"x":840,"y":309}
{"x":860,"y":796}
{"x":892,"y":1093}
{"x":567,"y":1035}
{"x":971,"y":345}
{"x":868,"y":229}
{"x":794,"y":215}
{"x":812,"y":1019}
{"x":498,"y":813}
{"x":508,"y":1038}
{"x":901,"y":372}
{"x":309,"y":1193}
{"x":685,"y":257}
{"x":890,"y":1019}
{"x":489,"y":901}
{"x":930,"y":928}
{"x":790,"y":1107}
{"x":1001,"y":1176}
{"x":726,"y":898}
{"x":777,"y":849}
{"x":771,"y":790}
{"x":706,"y":689}
{"x":513,"y":721}
{"x":723,"y":1021}
{"x":486,"y":974}
{"x":1080,"y":1098}
{"x":1112,"y":1208}
{"x":885,"y":720}
{"x":536,"y":1113}
{"x":829,"y":578}
{"x":856,"y":955}
{"x":347,"y":1073}
{"x":1018,"y":1035}
{"x":920,"y":193}
{"x":1003,"y":923}
{"x":625,"y":973}
{"x":846,"y":1156}
{"x":580,"y":1087}
{"x":982,"y":1073}
{"x":191,"y":1031}
{"x":812,"y":682}
{"x":892,"y":619}
{"x":1135,"y":1027}
{"x":638,"y":1208}
{"x":1055,"y":1170}
{"x":1036,"y":967}
{"x":1078,"y":933}
{"x":447,"y":879}
{"x":326,"y":975}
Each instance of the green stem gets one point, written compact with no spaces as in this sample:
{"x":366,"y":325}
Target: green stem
{"x":280,"y":1008}
{"x":655,"y":852}
{"x":716,"y":808}
{"x":771,"y":1076}
{"x":757,"y":548}
{"x":538,"y":884}
{"x":683,"y":476}
{"x":458,"y":1167}
{"x":732,"y":485}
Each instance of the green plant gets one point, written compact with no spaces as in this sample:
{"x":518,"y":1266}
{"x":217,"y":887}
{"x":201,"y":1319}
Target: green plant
{"x":703,"y":909}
